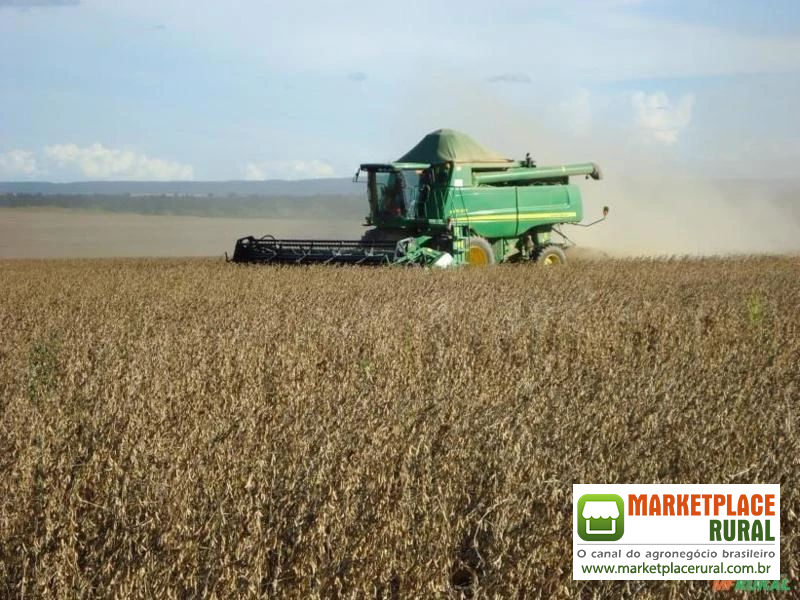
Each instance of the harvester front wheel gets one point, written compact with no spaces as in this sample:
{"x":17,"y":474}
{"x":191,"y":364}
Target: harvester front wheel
{"x":551,"y":255}
{"x":479,"y":251}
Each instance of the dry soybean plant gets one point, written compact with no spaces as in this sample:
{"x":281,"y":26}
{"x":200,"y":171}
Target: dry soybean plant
{"x":184,"y":428}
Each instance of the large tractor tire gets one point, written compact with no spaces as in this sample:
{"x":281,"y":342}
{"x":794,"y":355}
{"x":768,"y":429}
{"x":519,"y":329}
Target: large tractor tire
{"x":479,"y":251}
{"x":550,"y":255}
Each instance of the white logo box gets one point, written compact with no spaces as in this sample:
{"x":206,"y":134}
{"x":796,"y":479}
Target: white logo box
{"x":682,"y":545}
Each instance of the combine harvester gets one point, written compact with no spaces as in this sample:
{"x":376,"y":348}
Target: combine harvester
{"x":448,"y":201}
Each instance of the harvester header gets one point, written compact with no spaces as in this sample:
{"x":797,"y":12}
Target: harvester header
{"x":448,"y":201}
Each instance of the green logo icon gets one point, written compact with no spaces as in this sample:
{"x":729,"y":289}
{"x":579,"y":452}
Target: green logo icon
{"x":601,"y":517}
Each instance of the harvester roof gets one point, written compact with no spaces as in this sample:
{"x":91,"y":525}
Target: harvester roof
{"x":448,"y":145}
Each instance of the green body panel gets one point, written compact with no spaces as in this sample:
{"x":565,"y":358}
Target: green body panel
{"x":510,"y":211}
{"x":490,"y":212}
{"x":548,"y":204}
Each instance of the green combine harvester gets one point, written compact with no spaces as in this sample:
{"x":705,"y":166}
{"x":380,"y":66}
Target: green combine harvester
{"x":448,"y":201}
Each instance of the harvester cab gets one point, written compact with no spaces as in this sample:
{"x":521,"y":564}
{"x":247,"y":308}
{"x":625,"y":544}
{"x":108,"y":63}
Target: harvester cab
{"x":392,"y":191}
{"x":448,"y":201}
{"x":405,"y":195}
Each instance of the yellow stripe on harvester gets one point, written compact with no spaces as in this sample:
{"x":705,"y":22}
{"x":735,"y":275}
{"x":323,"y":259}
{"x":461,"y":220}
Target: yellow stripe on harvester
{"x":513,"y":217}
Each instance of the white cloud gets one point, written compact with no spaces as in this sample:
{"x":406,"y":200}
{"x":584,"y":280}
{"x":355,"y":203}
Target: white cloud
{"x":660,"y":119}
{"x":17,"y":163}
{"x":288,"y":169}
{"x":98,"y":162}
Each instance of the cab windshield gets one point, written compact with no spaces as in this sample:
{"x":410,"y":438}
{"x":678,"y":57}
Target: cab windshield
{"x":393,"y":193}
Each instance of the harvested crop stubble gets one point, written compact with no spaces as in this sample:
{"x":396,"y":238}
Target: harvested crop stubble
{"x":175,"y":428}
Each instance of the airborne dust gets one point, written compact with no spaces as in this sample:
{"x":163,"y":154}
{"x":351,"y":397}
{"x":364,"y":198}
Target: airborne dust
{"x":659,"y":204}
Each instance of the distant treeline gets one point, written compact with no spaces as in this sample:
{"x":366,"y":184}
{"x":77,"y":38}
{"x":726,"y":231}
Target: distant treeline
{"x":286,"y":207}
{"x":276,"y":188}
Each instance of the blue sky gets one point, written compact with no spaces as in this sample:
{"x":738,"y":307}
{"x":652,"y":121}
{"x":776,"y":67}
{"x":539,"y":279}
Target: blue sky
{"x":209,"y":90}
